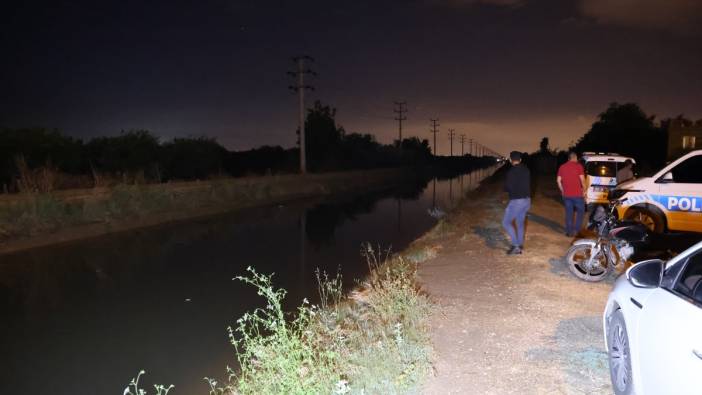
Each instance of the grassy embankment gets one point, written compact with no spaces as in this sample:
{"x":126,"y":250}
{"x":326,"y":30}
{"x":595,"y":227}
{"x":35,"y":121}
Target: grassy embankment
{"x":35,"y":219}
{"x":374,"y":341}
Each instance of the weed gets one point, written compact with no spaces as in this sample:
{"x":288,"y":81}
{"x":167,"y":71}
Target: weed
{"x":277,"y":355}
{"x":134,"y":385}
{"x":330,"y":290}
{"x":342,"y":346}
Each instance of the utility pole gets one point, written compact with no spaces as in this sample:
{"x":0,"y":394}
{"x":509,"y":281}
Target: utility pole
{"x":300,"y":88}
{"x":463,"y":140}
{"x":400,"y":110}
{"x":451,"y":134}
{"x":470,"y":147}
{"x":435,"y":129}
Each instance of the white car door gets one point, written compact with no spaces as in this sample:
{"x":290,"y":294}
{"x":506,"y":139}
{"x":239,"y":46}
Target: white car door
{"x":682,"y":194}
{"x":670,"y":335}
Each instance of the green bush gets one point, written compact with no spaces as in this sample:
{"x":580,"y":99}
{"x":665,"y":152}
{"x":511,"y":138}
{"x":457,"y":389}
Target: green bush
{"x":375,"y":341}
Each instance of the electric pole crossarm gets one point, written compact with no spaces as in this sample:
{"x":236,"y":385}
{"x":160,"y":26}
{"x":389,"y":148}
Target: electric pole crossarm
{"x":400,"y":109}
{"x":434,"y":130}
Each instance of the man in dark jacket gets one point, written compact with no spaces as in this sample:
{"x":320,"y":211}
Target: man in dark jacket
{"x":517,"y":186}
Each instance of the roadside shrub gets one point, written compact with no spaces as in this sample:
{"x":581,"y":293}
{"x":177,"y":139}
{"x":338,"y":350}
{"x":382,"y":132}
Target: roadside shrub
{"x":374,"y":341}
{"x":277,"y":355}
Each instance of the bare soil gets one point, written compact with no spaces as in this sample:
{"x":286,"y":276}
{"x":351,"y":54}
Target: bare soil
{"x":511,"y":324}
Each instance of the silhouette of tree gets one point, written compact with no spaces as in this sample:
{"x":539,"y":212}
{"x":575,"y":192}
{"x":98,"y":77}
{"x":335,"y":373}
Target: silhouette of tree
{"x":192,"y":158}
{"x":627,"y":130}
{"x":323,"y":137}
{"x":129,"y":152}
{"x":39,"y":147}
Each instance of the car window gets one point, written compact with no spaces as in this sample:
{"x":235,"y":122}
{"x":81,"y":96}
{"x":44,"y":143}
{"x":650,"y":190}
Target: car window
{"x":601,"y":169}
{"x":688,"y":172}
{"x":690,"y":282}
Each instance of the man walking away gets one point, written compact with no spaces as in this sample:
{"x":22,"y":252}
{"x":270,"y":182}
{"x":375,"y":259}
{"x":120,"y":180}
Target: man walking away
{"x":517,"y":186}
{"x":571,"y":180}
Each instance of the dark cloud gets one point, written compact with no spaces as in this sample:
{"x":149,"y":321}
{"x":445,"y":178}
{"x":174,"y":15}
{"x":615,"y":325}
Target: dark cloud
{"x":680,"y":16}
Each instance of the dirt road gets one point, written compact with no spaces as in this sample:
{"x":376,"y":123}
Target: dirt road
{"x":511,"y":324}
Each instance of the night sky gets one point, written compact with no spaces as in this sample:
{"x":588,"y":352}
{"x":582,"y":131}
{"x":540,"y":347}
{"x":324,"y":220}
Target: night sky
{"x":505,"y":72}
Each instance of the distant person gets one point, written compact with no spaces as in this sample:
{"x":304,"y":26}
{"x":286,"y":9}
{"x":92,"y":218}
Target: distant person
{"x":626,"y":172}
{"x":517,"y":186}
{"x":571,"y":182}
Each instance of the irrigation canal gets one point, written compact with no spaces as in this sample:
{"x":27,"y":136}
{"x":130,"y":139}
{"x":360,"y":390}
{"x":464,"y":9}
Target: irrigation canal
{"x":84,"y":318}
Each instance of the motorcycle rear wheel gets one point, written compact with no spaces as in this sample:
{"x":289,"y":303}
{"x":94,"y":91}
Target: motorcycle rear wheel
{"x":576,"y":259}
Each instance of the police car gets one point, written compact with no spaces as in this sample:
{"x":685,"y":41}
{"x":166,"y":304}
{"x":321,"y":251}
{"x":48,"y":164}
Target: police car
{"x":670,"y":200}
{"x":601,"y":175}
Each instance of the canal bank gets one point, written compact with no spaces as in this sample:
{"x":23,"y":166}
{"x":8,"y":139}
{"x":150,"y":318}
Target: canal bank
{"x":511,"y":324}
{"x":32,"y":220}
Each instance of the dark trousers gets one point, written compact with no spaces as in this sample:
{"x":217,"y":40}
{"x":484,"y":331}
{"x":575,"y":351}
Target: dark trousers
{"x":578,"y":204}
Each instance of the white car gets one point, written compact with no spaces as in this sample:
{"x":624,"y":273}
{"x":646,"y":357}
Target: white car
{"x":653,"y":327}
{"x":670,"y":200}
{"x":601,"y":175}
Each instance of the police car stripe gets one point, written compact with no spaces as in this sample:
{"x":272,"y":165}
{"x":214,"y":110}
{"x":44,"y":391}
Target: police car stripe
{"x":670,"y":202}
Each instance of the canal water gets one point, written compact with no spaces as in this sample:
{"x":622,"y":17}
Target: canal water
{"x":84,"y":318}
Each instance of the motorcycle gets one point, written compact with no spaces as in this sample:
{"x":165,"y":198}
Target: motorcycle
{"x":592,"y":259}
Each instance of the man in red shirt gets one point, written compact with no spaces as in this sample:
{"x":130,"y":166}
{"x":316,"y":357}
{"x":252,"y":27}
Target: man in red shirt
{"x":571,"y":182}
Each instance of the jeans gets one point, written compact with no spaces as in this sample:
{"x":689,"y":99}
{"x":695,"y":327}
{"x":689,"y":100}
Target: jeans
{"x":578,"y":204}
{"x":516,"y":211}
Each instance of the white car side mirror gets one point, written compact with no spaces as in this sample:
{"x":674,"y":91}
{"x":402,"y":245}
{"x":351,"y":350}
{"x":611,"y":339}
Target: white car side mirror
{"x":646,"y":274}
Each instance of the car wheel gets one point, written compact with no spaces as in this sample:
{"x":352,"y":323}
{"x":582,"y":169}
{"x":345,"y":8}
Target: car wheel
{"x":647,"y":218}
{"x":619,"y":356}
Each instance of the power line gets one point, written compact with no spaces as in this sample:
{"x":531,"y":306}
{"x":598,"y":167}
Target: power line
{"x":451,"y":134}
{"x":300,"y":88}
{"x":434,"y":129}
{"x":400,"y":109}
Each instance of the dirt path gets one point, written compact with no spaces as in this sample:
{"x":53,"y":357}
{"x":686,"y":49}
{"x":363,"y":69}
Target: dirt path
{"x":511,"y":324}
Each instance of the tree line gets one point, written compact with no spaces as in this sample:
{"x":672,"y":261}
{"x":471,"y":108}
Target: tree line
{"x":41,"y":159}
{"x":627,"y":130}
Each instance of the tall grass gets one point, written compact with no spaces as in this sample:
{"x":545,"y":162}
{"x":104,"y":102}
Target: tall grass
{"x":38,"y":212}
{"x":374,"y":341}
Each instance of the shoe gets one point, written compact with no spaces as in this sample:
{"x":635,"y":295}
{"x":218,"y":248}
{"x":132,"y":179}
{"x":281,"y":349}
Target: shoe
{"x":515,"y":250}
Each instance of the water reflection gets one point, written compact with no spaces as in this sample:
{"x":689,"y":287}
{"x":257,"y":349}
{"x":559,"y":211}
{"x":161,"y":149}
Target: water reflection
{"x":85,"y":317}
